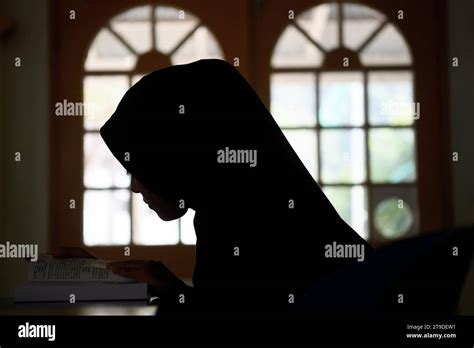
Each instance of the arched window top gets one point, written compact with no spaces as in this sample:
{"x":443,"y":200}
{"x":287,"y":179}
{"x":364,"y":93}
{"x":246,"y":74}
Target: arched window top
{"x":148,"y":37}
{"x":325,"y":34}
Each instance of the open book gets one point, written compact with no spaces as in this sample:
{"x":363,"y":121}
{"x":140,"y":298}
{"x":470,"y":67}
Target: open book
{"x":76,"y":280}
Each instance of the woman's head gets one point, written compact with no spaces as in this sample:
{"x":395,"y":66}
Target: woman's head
{"x":188,"y":134}
{"x":171,"y":125}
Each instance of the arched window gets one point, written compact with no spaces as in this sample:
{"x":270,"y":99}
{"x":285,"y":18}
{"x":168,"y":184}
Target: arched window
{"x":342,"y":90}
{"x":129,"y":46}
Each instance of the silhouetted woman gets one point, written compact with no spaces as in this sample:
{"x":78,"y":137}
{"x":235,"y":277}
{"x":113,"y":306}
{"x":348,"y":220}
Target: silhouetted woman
{"x":197,"y":136}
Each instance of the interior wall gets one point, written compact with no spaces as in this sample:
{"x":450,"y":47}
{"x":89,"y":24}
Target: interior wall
{"x":24,"y":129}
{"x":461,"y":45}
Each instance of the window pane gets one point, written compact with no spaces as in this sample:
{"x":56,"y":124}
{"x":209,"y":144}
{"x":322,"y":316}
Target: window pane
{"x":343,"y":156}
{"x":305,"y":145}
{"x":171,"y":27}
{"x":148,"y":228}
{"x":341,"y":99}
{"x":395,"y":212}
{"x":351,"y":204}
{"x":392,"y":155}
{"x":108,"y":53}
{"x":101,"y":96}
{"x":293,"y":99}
{"x":294,"y":50}
{"x":134,"y":26}
{"x":101,"y":168}
{"x":391,"y":98}
{"x":387,"y":48}
{"x":201,"y":45}
{"x":188,"y":235}
{"x":321,"y":24}
{"x":359,"y":23}
{"x":106,"y":217}
{"x":392,"y":218}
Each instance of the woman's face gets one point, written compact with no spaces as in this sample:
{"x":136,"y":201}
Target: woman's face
{"x":165,"y":209}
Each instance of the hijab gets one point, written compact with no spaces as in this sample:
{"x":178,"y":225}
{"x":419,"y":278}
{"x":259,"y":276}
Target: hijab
{"x":198,"y":134}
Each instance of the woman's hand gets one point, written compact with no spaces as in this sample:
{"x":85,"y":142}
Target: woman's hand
{"x":152,"y":272}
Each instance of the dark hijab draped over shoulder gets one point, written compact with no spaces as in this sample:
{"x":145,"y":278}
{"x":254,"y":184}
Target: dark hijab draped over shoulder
{"x":199,"y":134}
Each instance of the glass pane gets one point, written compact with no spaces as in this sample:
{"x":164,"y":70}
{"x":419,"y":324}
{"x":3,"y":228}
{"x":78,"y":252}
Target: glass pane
{"x":387,"y":48}
{"x":395,"y":212}
{"x":134,"y":26}
{"x":108,"y":53}
{"x":351,"y":204}
{"x":341,"y":99}
{"x":305,"y":145}
{"x":391,"y":98}
{"x":148,"y":228}
{"x":393,"y":218}
{"x":392,"y":155}
{"x":188,"y":236}
{"x":101,"y":97}
{"x":294,"y":50}
{"x":101,"y":168}
{"x":359,"y":23}
{"x":201,"y":45}
{"x":172,"y":26}
{"x":343,"y":156}
{"x":321,"y":24}
{"x":293,"y":99}
{"x":106,"y":217}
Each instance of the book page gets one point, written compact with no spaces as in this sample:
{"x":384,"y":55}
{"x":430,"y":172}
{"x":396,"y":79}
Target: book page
{"x":48,"y":268}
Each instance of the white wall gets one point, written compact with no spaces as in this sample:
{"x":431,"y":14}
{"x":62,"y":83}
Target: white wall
{"x":24,"y":128}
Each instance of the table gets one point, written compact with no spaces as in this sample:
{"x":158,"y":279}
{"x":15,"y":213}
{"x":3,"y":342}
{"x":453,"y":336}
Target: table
{"x":8,"y":307}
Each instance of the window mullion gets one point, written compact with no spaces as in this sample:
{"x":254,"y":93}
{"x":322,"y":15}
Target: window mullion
{"x":367,"y":158}
{"x":317,"y":130}
{"x":340,"y":19}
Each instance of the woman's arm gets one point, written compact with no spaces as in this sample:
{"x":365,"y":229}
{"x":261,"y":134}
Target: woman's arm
{"x":152,"y":272}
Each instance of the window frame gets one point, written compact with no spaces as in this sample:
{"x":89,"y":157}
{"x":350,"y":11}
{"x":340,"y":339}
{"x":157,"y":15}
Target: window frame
{"x":332,"y":63}
{"x":424,"y":29}
{"x":146,"y":62}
